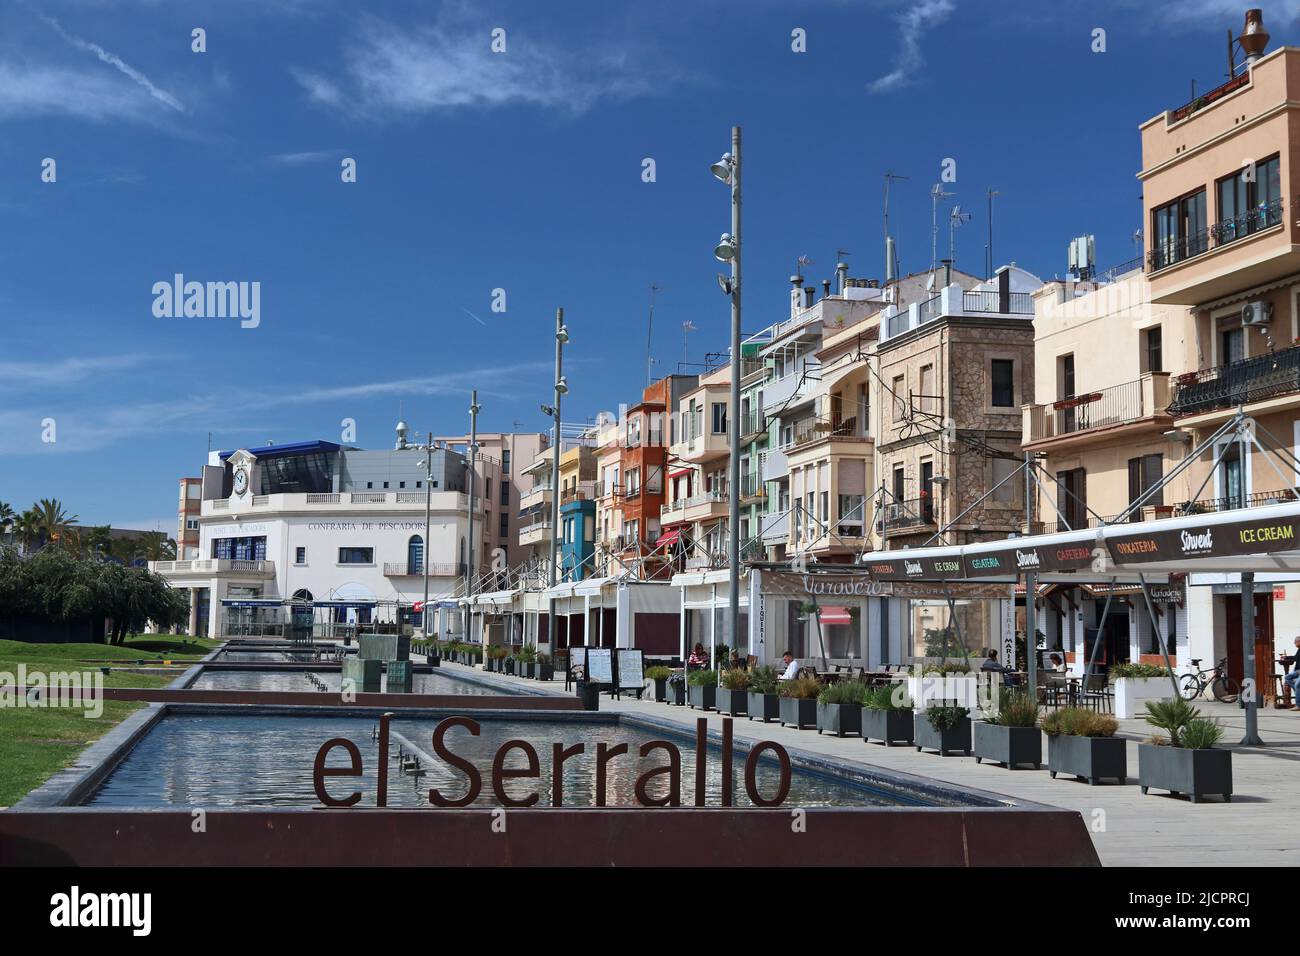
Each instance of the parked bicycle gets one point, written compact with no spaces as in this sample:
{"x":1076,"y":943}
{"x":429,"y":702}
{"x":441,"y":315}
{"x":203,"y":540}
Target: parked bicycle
{"x":1222,"y":687}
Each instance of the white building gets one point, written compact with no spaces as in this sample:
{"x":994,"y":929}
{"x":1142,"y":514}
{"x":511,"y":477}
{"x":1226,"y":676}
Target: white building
{"x":317,"y":535}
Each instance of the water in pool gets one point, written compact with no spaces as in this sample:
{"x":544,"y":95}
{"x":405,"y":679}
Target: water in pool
{"x":434,"y":683}
{"x":266,"y":761}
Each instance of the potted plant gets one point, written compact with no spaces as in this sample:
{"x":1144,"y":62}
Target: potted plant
{"x":1011,"y":735}
{"x":1083,"y":742}
{"x":839,"y":708}
{"x":1135,"y":684}
{"x":703,"y":689}
{"x":943,"y":727}
{"x":659,"y":675}
{"x":676,"y":688}
{"x":545,"y":667}
{"x":763,"y":701}
{"x":887,"y":715}
{"x":509,"y":662}
{"x":733,"y":695}
{"x":1188,"y":762}
{"x":799,"y":702}
{"x":526,"y":661}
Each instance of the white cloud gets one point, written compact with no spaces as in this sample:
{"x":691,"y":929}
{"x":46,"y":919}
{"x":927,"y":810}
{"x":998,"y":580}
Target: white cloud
{"x":402,"y":71}
{"x":118,"y":64}
{"x":913,"y":21}
{"x":302,"y":159}
{"x":27,"y":91}
{"x":65,"y":371}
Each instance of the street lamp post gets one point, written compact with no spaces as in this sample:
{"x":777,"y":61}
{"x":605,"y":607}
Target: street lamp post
{"x":424,"y":551}
{"x":474,"y":409}
{"x":561,"y":388}
{"x":728,"y":249}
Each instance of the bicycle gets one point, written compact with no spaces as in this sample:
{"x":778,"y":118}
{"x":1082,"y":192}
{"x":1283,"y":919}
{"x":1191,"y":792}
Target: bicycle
{"x":1222,"y":687}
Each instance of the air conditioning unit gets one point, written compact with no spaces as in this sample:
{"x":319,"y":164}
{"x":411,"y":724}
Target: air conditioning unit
{"x":1259,"y":312}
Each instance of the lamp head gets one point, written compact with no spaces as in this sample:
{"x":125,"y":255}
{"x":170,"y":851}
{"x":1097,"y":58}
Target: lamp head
{"x":562,"y":386}
{"x":725,"y":250}
{"x":723,"y":168}
{"x":548,"y":411}
{"x":562,"y":334}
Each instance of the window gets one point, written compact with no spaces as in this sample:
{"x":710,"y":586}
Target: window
{"x":1003,"y":376}
{"x":1143,"y":473}
{"x":1248,"y":200}
{"x":900,"y":403}
{"x":505,"y":524}
{"x":1009,"y":492}
{"x":1178,"y":229}
{"x":1072,"y":499}
{"x":401,"y":484}
{"x":1153,"y":361}
{"x":356,"y":555}
{"x":1232,"y":346}
{"x":385,"y":484}
{"x":415,"y":554}
{"x":419,"y":484}
{"x":487,"y":490}
{"x":719,"y":418}
{"x":1231,"y":478}
{"x":505,"y":461}
{"x":900,"y":483}
{"x":299,"y":555}
{"x":191,"y":524}
{"x":505,"y":493}
{"x":370,"y":484}
{"x":927,"y":396}
{"x":826,"y":506}
{"x":239,"y":549}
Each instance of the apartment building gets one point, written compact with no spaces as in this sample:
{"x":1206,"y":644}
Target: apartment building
{"x":577,"y":512}
{"x":1222,"y":243}
{"x":696,"y":506}
{"x":187,"y":518}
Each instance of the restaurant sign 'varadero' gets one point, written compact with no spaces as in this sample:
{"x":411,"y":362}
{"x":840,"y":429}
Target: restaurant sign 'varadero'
{"x":1228,"y":539}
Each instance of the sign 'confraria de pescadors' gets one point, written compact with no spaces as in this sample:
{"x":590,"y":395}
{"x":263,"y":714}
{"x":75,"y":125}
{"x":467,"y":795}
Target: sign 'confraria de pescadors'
{"x":606,"y":755}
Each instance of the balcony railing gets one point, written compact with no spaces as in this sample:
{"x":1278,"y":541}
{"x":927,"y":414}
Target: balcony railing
{"x":752,"y":486}
{"x":1105,"y":408}
{"x":816,"y":430}
{"x":1237,"y":383}
{"x":445,"y":569}
{"x":1154,"y":512}
{"x":1172,"y":251}
{"x":752,"y":425}
{"x":1210,"y":97}
{"x":909,"y":513}
{"x":990,"y":300}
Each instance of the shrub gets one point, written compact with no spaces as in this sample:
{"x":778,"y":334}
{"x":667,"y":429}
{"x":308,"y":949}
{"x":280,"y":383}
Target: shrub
{"x":952,"y":667}
{"x":544,"y":659}
{"x":498,"y":652}
{"x":843,"y":692}
{"x":762,"y":680}
{"x":1171,"y":716}
{"x":891,"y":697}
{"x":702,"y":678}
{"x":1137,"y":671}
{"x":735,"y":678}
{"x":658,"y":672}
{"x":1079,"y":722}
{"x":1201,"y":734}
{"x":944,"y":717}
{"x":801,"y":688}
{"x":1014,"y":710}
{"x":526,"y":654}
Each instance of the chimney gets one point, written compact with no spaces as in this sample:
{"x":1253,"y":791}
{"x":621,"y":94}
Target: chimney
{"x":891,"y":258}
{"x":826,"y":288}
{"x":842,"y":274}
{"x":947,"y":272}
{"x":796,"y":300}
{"x":808,"y":293}
{"x":1004,"y":290}
{"x":1253,"y":37}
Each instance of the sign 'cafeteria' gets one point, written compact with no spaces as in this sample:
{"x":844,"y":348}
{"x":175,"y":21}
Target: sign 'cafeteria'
{"x":1228,"y":539}
{"x":606,"y":755}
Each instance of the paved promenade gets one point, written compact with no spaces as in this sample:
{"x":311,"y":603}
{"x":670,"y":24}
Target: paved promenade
{"x":1259,"y":826}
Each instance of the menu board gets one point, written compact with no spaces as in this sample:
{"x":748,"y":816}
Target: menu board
{"x":600,"y":665}
{"x":577,"y":659}
{"x":631,"y":669}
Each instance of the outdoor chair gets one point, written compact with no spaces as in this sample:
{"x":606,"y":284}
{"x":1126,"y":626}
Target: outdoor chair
{"x":1097,"y":693}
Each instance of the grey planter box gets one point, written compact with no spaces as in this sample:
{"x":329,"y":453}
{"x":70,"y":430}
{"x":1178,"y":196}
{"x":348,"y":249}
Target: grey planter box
{"x":763,"y":706}
{"x":704,"y":696}
{"x":733,"y":702}
{"x":799,"y":712}
{"x":889,"y":726}
{"x":661,"y":690}
{"x":528,"y":669}
{"x":545,"y":671}
{"x":676,"y":693}
{"x":1179,"y":770}
{"x":954,"y":738}
{"x":839,"y":719}
{"x":510,"y":665}
{"x":1008,"y":745}
{"x":1088,"y":758}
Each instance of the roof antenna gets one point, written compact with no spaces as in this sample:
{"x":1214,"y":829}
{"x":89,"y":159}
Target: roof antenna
{"x":891,"y":255}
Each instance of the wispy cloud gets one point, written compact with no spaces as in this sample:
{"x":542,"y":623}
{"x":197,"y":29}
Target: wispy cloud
{"x":67,"y":371}
{"x":117,"y":63}
{"x":303,"y":159}
{"x":913,"y":21}
{"x":450,"y":65}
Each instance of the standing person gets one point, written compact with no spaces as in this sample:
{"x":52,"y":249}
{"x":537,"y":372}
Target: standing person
{"x":1292,"y":677}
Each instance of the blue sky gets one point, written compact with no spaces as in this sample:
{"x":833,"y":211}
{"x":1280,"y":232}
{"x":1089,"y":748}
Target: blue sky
{"x":518,"y":170}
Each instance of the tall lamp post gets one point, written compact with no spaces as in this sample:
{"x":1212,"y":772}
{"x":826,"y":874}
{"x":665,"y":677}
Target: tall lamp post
{"x":727,"y":170}
{"x":474,"y":409}
{"x":561,"y":388}
{"x":424,"y":550}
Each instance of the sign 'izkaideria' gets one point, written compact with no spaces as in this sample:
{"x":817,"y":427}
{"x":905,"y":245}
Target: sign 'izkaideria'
{"x":208,"y":300}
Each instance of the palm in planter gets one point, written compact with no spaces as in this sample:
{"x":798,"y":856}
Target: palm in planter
{"x":1011,"y":735}
{"x":703,"y":689}
{"x":1082,"y":742}
{"x":1188,"y":763}
{"x":763,"y":701}
{"x":887,"y":715}
{"x":839,"y":708}
{"x":799,"y":702}
{"x":733,"y":695}
{"x":943,"y":728}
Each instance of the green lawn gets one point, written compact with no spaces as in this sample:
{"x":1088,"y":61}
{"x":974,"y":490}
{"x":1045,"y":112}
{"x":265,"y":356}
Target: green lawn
{"x":35,"y":743}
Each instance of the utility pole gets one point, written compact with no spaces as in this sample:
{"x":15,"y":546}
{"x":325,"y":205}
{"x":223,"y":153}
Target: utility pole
{"x":561,"y":387}
{"x":733,"y":492}
{"x":473,"y":487}
{"x":649,"y":334}
{"x":424,"y":551}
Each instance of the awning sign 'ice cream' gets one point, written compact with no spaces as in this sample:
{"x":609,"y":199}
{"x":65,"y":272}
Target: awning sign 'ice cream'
{"x":1223,"y":539}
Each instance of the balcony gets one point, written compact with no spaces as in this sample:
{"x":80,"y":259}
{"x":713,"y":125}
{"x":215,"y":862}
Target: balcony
{"x":821,"y":430}
{"x":752,"y":489}
{"x":215,"y":568}
{"x":753,"y":426}
{"x":1093,"y":415}
{"x":774,"y":528}
{"x":954,"y":302}
{"x":908,"y":514}
{"x":773,"y":464}
{"x":1233,"y":254}
{"x":1245,"y":382}
{"x":711,"y":504}
{"x":1155,"y":512}
{"x":405,"y":569}
{"x":345,"y":502}
{"x":538,"y":532}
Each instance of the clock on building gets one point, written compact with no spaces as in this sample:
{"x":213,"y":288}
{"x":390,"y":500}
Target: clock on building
{"x":241,"y":480}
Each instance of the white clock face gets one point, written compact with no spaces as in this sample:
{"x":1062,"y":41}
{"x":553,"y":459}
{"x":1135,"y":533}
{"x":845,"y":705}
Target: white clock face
{"x":241,"y":481}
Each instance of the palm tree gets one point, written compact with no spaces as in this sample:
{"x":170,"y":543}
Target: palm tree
{"x":98,"y":540}
{"x":7,"y":517}
{"x":27,"y":529}
{"x":156,"y":546}
{"x":55,"y":523}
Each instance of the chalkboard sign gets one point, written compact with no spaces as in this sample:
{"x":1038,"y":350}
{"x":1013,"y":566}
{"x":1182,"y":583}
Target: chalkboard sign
{"x":631,"y":672}
{"x":600,"y":665}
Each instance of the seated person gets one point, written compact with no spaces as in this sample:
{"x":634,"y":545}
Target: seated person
{"x":791,"y":667}
{"x":1292,"y":677}
{"x":1055,"y":664}
{"x":736,"y":662}
{"x":699,"y":658}
{"x":991,"y":663}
